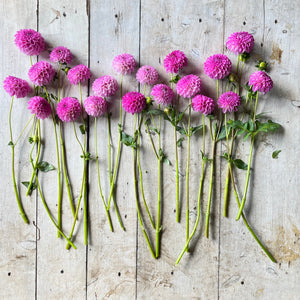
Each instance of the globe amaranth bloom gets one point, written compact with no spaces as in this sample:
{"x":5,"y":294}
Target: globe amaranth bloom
{"x":68,"y":109}
{"x":41,"y":73}
{"x":217,"y":66}
{"x":79,"y":73}
{"x":134,"y":102}
{"x":162,"y":94}
{"x":203,"y":104}
{"x":105,"y":86}
{"x":61,"y":54}
{"x":95,"y":106}
{"x":240,"y":42}
{"x":147,"y":75}
{"x":124,"y":63}
{"x":260,"y":81}
{"x":229,"y":102}
{"x":40,"y":107}
{"x":15,"y":86}
{"x":175,"y":61}
{"x":29,"y":41}
{"x":188,"y":86}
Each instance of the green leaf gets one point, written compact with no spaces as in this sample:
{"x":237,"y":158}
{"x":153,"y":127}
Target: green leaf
{"x":33,"y":186}
{"x":10,"y":143}
{"x":148,"y":122}
{"x":180,"y":116}
{"x":195,"y":129}
{"x":153,"y":129}
{"x":175,"y":79}
{"x":88,"y":156}
{"x":44,"y":166}
{"x":275,"y":154}
{"x":222,"y":134}
{"x":180,"y":130}
{"x":54,"y":97}
{"x":128,"y":140}
{"x":266,"y":126}
{"x":205,"y":158}
{"x":156,"y":111}
{"x":179,"y":142}
{"x":225,"y":155}
{"x":82,"y":128}
{"x":166,"y":161}
{"x":240,"y":164}
{"x":163,"y":157}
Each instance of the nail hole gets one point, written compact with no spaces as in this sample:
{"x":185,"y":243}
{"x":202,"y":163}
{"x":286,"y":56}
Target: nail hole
{"x":261,"y":44}
{"x":200,"y":20}
{"x":98,"y":62}
{"x":116,"y":15}
{"x":174,"y":210}
{"x":244,"y":23}
{"x":64,"y":14}
{"x":9,"y":273}
{"x":242,"y":282}
{"x":284,"y":31}
{"x":119,"y":274}
{"x":125,"y":216}
{"x":62,"y":271}
{"x":162,"y":19}
{"x":275,"y":21}
{"x":172,"y":272}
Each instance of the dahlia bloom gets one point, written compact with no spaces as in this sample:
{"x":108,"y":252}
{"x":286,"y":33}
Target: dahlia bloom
{"x":124,"y":63}
{"x":188,"y":86}
{"x":16,"y":87}
{"x":40,"y":107}
{"x":240,"y":42}
{"x":61,"y":54}
{"x":79,"y":73}
{"x":162,"y":94}
{"x":261,"y":82}
{"x":229,"y":102}
{"x":41,"y":73}
{"x":203,"y":104}
{"x":134,"y":102}
{"x":29,"y":41}
{"x":147,"y":75}
{"x":68,"y":109}
{"x":95,"y":106}
{"x":175,"y":61}
{"x":217,"y":66}
{"x":105,"y":86}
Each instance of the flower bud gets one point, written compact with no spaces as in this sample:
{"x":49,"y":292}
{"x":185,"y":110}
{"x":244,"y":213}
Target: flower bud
{"x":244,"y":56}
{"x":232,"y":77}
{"x":148,"y":100}
{"x":167,"y":111}
{"x":262,"y":65}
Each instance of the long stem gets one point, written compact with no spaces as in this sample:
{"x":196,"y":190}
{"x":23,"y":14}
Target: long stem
{"x":29,"y":121}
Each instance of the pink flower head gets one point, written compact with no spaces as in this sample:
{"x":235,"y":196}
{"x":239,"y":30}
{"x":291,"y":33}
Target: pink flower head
{"x":16,"y":87}
{"x":41,"y":73}
{"x":105,"y":86}
{"x":203,"y":104}
{"x":217,"y":66}
{"x":40,"y":107}
{"x":147,"y":75}
{"x":175,"y":61}
{"x":188,"y":86}
{"x":61,"y":54}
{"x":124,"y":63}
{"x":240,"y":42}
{"x":134,"y":102}
{"x":79,"y":73}
{"x":68,"y":109}
{"x":229,"y":102}
{"x":29,"y":41}
{"x":260,"y":81}
{"x":162,"y":94}
{"x":95,"y":106}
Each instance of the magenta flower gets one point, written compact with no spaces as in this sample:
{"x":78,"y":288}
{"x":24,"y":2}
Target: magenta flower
{"x":41,"y":73}
{"x":134,"y":102}
{"x":217,"y":66}
{"x":162,"y":94}
{"x":261,"y":82}
{"x":203,"y":104}
{"x":61,"y":54}
{"x":105,"y":86}
{"x":147,"y":75}
{"x":40,"y":107}
{"x":95,"y":106}
{"x":188,"y":86}
{"x":68,"y":109}
{"x":124,"y":63}
{"x":175,"y":61}
{"x":79,"y":73}
{"x":229,"y":102}
{"x":29,"y":41}
{"x":240,"y":42}
{"x":16,"y":87}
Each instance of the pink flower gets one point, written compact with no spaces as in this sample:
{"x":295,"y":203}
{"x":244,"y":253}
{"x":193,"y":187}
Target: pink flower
{"x":61,"y":54}
{"x":217,"y":66}
{"x":175,"y":61}
{"x":41,"y":73}
{"x":203,"y":104}
{"x":260,"y":81}
{"x":188,"y":86}
{"x":147,"y":75}
{"x":124,"y":63}
{"x":134,"y":102}
{"x":29,"y":41}
{"x":105,"y":86}
{"x":79,"y":73}
{"x":40,"y":107}
{"x":240,"y":42}
{"x":229,"y":102}
{"x":95,"y":106}
{"x":68,"y":109}
{"x":162,"y":94}
{"x":16,"y":87}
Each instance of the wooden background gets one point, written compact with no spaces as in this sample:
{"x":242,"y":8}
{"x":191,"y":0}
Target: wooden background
{"x":34,"y":263}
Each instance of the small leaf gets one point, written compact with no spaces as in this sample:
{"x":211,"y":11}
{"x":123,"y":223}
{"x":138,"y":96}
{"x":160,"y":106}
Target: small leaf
{"x":275,"y":154}
{"x":54,"y":97}
{"x":30,"y":140}
{"x":225,"y":155}
{"x":175,"y":79}
{"x":33,"y":186}
{"x":222,"y":134}
{"x":44,"y":166}
{"x":179,"y":142}
{"x":166,"y":161}
{"x":82,"y":128}
{"x":195,"y":129}
{"x":153,"y":129}
{"x":180,"y":130}
{"x":148,"y":122}
{"x":128,"y":140}
{"x":10,"y":143}
{"x":163,"y":157}
{"x":240,"y":164}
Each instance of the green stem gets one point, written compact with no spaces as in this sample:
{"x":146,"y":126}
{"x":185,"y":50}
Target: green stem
{"x":29,"y":121}
{"x":151,"y":140}
{"x":225,"y":206}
